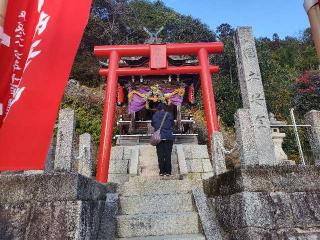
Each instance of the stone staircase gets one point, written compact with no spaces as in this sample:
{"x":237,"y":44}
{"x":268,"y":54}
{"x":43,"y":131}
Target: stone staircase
{"x":154,"y":208}
{"x":190,"y":161}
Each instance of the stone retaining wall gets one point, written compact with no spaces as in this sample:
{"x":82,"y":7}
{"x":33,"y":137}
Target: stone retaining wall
{"x":55,"y":207}
{"x":268,"y":202}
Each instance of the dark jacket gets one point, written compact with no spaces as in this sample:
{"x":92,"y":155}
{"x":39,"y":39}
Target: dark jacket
{"x":166,"y":131}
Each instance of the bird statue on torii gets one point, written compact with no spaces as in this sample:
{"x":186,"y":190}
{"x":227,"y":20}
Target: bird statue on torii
{"x":153,"y":37}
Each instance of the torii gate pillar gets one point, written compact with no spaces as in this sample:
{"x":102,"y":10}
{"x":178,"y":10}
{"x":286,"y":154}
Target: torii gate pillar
{"x":108,"y":118}
{"x":208,"y":93}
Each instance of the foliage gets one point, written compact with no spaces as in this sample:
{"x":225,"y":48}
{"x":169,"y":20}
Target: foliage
{"x":178,"y":28}
{"x":307,"y":92}
{"x":227,"y":89}
{"x":121,"y":22}
{"x":88,"y":116}
{"x":282,"y":61}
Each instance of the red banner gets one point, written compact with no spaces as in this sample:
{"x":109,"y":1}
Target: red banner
{"x":19,"y":28}
{"x":44,"y":38}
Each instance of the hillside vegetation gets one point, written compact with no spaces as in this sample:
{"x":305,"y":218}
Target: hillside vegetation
{"x":285,"y":63}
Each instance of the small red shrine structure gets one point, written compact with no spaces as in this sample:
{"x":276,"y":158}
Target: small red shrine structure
{"x":157,"y":63}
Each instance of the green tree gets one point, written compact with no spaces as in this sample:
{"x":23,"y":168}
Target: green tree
{"x":226,"y":83}
{"x":121,"y":22}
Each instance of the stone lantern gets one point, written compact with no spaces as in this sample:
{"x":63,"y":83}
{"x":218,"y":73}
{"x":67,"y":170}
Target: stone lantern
{"x":277,"y":138}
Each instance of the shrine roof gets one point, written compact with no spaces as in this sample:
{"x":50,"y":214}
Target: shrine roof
{"x":143,"y":61}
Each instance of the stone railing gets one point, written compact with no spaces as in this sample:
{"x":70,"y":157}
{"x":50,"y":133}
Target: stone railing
{"x":62,"y":156}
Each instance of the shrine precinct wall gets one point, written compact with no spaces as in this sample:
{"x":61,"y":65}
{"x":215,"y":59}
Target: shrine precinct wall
{"x":267,"y":202}
{"x":53,"y":206}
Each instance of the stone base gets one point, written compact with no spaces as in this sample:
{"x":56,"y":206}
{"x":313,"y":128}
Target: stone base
{"x":58,"y":206}
{"x":280,"y":202}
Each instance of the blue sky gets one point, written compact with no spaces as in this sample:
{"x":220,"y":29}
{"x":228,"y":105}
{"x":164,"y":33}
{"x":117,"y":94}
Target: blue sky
{"x":285,"y":17}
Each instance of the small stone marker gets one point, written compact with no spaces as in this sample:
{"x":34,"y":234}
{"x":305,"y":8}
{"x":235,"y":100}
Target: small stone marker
{"x":134,"y":161}
{"x":181,"y":159}
{"x":253,"y":95}
{"x":313,"y":118}
{"x":208,"y":218}
{"x":218,"y":155}
{"x":65,"y":137}
{"x":85,"y":155}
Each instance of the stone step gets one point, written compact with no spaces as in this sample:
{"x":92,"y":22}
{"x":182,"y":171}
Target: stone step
{"x":156,"y":165}
{"x":171,"y":203}
{"x":158,"y":178}
{"x":153,"y":170}
{"x":169,"y":237}
{"x":147,"y":172}
{"x":149,"y":186}
{"x":157,"y":224}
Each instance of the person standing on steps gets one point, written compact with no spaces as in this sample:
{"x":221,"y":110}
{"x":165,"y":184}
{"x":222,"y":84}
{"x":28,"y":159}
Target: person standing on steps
{"x":164,"y":148}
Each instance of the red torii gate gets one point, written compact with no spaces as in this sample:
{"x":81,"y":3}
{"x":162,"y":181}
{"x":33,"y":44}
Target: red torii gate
{"x":158,"y":54}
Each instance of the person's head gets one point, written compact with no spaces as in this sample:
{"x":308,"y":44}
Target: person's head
{"x":161,"y":107}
